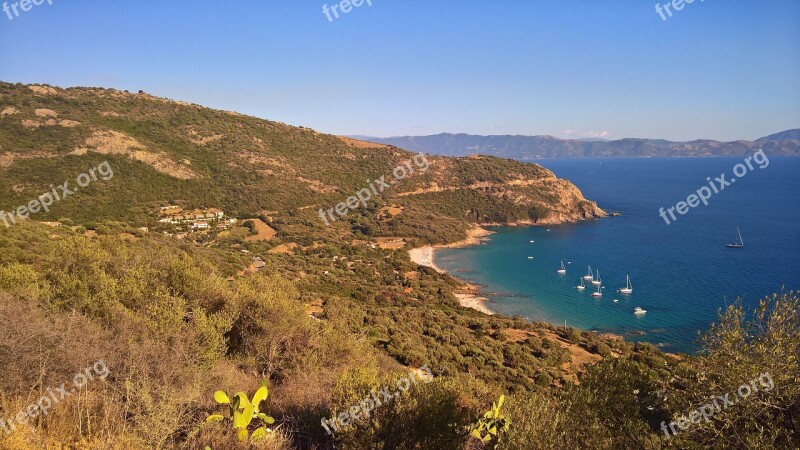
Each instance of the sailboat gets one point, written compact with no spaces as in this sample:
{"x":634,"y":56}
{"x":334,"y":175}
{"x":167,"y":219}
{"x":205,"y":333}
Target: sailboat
{"x":563,"y":269}
{"x":599,"y":292}
{"x":589,"y":276}
{"x":739,"y":243}
{"x":628,"y":289}
{"x":581,"y":286}
{"x":598,"y":281}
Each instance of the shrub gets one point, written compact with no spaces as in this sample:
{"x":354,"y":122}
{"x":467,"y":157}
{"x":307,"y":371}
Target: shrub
{"x":600,"y":348}
{"x":250,"y":225}
{"x":574,"y":336}
{"x":734,"y":351}
{"x":544,"y":379}
{"x":428,"y":415}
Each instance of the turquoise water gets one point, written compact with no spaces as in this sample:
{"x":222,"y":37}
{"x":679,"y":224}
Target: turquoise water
{"x":681,"y":273}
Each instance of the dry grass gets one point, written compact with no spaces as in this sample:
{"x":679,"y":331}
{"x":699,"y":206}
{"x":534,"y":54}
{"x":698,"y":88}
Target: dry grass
{"x":264,"y":231}
{"x":151,"y":398}
{"x":355,"y":143}
{"x":286,"y":249}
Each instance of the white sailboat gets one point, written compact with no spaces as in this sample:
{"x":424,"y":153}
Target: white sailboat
{"x":599,"y":292}
{"x":739,"y":243}
{"x":628,"y":289}
{"x":563,"y":269}
{"x":598,"y":281}
{"x":589,"y":275}
{"x":581,"y":286}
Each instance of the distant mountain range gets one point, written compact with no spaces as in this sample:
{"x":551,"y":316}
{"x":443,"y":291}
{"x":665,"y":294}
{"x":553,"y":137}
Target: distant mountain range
{"x":526,"y":148}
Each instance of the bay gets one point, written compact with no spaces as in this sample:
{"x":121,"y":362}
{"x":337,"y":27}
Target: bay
{"x":682,"y":273}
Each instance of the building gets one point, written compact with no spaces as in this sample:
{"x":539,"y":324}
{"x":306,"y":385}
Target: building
{"x":198,"y":219}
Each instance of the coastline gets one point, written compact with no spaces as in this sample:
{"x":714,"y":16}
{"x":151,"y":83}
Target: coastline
{"x":467,"y":294}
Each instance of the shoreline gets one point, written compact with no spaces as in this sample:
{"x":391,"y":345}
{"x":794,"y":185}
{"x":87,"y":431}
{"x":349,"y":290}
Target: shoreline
{"x":468,"y":294}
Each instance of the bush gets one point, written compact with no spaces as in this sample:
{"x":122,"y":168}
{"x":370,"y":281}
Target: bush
{"x":736,"y":350}
{"x":574,"y":336}
{"x":544,"y":379}
{"x":600,"y":348}
{"x":250,"y":225}
{"x":429,"y":415}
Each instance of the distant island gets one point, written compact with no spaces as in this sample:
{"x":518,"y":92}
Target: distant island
{"x":528,"y":148}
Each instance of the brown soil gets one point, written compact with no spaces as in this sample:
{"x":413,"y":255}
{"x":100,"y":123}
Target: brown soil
{"x":285,"y":248}
{"x":390,"y":243}
{"x":355,"y":143}
{"x":580,"y":357}
{"x":265,"y":232}
{"x":413,"y":275}
{"x":116,"y":143}
{"x":203,"y":138}
{"x":314,"y":309}
{"x":43,"y":90}
{"x":46,"y":113}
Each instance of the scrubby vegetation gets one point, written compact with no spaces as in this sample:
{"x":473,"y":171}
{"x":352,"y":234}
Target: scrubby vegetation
{"x":201,"y":158}
{"x":173,"y":330}
{"x":332,"y":318}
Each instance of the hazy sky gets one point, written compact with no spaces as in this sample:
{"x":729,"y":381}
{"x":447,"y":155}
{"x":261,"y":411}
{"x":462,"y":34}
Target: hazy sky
{"x":720,"y":69}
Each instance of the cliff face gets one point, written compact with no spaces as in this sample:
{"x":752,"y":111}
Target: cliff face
{"x":572,"y":206}
{"x":564,"y":203}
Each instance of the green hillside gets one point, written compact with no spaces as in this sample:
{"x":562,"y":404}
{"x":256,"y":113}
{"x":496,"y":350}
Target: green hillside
{"x":169,"y":152}
{"x":324,"y":315}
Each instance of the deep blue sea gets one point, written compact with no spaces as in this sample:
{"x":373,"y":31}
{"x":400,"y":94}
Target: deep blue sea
{"x":682,"y":273}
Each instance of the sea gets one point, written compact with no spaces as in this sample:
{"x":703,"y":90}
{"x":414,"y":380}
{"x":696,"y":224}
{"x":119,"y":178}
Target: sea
{"x":682,"y":273}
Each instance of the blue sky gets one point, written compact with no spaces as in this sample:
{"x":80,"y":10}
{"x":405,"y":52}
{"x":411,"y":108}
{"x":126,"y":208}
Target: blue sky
{"x":720,"y":69}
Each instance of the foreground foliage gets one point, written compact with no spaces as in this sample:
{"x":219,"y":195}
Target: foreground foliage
{"x":172,"y":329}
{"x":242,"y":412}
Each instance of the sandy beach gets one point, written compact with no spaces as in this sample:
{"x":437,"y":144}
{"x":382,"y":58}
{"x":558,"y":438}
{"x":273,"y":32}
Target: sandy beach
{"x":470,"y":299}
{"x":424,"y":257}
{"x":467,"y":295}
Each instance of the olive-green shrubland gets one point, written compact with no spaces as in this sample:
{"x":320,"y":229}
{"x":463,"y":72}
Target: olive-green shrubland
{"x":332,"y":316}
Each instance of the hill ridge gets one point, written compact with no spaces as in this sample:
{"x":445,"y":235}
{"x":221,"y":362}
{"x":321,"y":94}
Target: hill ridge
{"x":528,"y":148}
